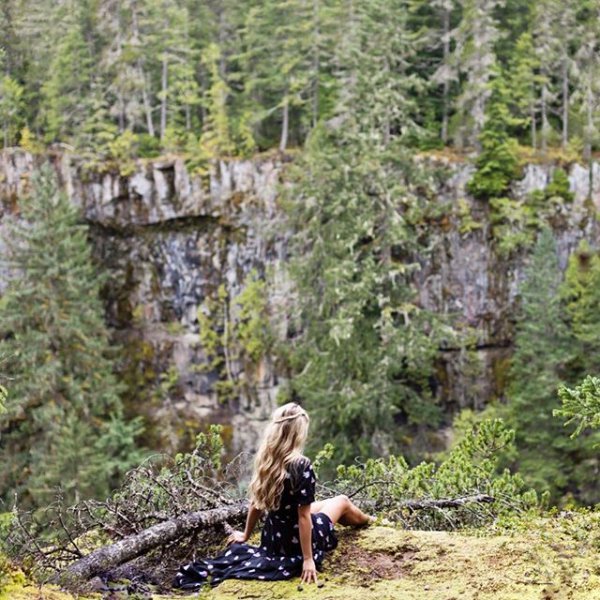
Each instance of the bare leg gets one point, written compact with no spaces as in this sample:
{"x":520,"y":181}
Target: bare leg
{"x":341,"y":510}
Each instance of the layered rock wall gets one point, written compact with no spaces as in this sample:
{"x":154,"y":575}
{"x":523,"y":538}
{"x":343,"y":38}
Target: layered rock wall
{"x":169,"y":240}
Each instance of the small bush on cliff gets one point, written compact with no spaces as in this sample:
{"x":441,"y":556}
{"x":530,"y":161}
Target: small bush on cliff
{"x":559,"y":186}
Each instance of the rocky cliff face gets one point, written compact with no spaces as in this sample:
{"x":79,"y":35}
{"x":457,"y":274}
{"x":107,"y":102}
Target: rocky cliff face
{"x":170,"y":240}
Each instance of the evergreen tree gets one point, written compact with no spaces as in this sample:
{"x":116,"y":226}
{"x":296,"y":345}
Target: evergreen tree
{"x":581,"y":292}
{"x":365,"y":352}
{"x":554,"y":30}
{"x":67,"y":87}
{"x":497,"y":162}
{"x":363,"y":359}
{"x":523,"y":82}
{"x":276,"y":60}
{"x":474,"y":59}
{"x":64,"y":423}
{"x":11,"y":109}
{"x":444,"y":75}
{"x":217,"y":134}
{"x":122,"y":65}
{"x":588,"y":79}
{"x":544,"y":349}
{"x":378,"y":86}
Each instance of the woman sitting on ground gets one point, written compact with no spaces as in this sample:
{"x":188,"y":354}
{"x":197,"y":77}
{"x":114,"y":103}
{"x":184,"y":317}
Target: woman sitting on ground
{"x":297,"y":531}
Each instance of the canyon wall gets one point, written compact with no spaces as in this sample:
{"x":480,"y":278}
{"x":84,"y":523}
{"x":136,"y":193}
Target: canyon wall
{"x":169,"y":240}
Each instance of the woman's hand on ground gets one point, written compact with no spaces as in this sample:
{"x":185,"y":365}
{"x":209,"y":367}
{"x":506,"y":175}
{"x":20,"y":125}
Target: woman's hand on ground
{"x":237,"y":537}
{"x":309,"y":571}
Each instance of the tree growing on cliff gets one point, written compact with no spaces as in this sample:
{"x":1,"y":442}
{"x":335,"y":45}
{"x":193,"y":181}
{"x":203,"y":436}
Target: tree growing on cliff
{"x":544,"y":352}
{"x":473,"y":58}
{"x":497,"y":162}
{"x":64,"y":423}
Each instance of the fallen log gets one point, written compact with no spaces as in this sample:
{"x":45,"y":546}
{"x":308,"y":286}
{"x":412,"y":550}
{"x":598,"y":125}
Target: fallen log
{"x":108,"y":557}
{"x":133,"y":546}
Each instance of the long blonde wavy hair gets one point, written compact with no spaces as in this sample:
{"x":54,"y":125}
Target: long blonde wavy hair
{"x":283,"y":442}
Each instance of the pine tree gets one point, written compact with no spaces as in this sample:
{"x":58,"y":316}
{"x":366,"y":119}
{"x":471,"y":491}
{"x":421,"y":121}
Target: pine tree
{"x":66,"y":89}
{"x":554,"y":32}
{"x":378,"y":86}
{"x":582,"y":296}
{"x":497,"y":162}
{"x":544,"y":349}
{"x":276,"y":60}
{"x":11,"y":109}
{"x":365,"y":351}
{"x":217,"y":134}
{"x":444,"y":75}
{"x":64,"y":423}
{"x":474,"y":58}
{"x":523,"y":81}
{"x":122,"y":65}
{"x":588,"y":79}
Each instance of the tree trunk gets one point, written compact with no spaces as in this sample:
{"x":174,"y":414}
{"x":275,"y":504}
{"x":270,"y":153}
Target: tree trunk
{"x":533,"y":127}
{"x":565,"y":103}
{"x":133,"y":546}
{"x":147,"y":108}
{"x":446,"y":88}
{"x":285,"y":125}
{"x":145,"y":96}
{"x":316,"y":65}
{"x":545,"y":124}
{"x":589,"y":126}
{"x":163,"y":100}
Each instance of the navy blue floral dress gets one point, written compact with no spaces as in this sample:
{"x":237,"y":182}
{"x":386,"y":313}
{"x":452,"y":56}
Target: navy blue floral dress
{"x":279,"y":555}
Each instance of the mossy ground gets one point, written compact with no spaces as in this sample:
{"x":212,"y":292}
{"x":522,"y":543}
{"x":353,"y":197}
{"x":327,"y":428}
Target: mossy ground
{"x":386,"y":563}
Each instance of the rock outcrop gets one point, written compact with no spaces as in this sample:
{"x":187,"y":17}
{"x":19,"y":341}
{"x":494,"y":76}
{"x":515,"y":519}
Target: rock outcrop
{"x":170,"y":239}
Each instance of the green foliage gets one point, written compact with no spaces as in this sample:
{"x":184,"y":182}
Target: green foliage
{"x":63,"y":424}
{"x":559,"y":186}
{"x":497,"y":163}
{"x":470,"y":468}
{"x":216,"y":137}
{"x":160,"y":488}
{"x":11,"y":109}
{"x":581,"y":292}
{"x":245,"y":74}
{"x":514,"y":224}
{"x":66,"y":91}
{"x":235,"y":335}
{"x":362,"y":362}
{"x":467,"y":223}
{"x":581,"y":404}
{"x":544,"y":352}
{"x":523,"y":78}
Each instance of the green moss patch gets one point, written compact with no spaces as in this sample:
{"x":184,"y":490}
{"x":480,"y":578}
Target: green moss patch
{"x":383,"y":563}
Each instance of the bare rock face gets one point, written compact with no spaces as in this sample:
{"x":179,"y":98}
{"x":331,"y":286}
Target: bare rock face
{"x":170,"y":239}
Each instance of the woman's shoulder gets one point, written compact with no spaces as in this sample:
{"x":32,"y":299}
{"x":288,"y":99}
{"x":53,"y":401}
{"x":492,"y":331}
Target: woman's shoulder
{"x":300,"y":462}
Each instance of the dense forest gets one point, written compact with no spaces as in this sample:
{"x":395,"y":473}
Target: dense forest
{"x":362,"y":102}
{"x":138,"y":77}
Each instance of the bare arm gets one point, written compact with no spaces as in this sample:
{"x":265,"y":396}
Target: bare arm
{"x":253,"y":516}
{"x":309,"y":570}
